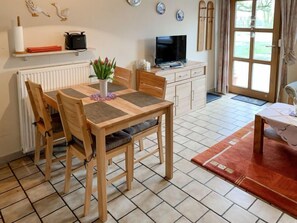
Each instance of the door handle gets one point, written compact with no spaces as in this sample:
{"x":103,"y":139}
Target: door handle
{"x":271,"y":46}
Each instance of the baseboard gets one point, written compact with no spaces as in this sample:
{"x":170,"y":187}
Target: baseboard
{"x":213,"y":90}
{"x":10,"y":157}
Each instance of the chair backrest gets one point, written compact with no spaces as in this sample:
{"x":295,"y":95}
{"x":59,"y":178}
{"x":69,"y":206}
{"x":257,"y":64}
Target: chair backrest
{"x":152,"y":84}
{"x":74,"y":121}
{"x":122,"y":77}
{"x":39,"y":106}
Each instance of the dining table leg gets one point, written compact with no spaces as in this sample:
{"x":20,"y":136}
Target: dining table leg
{"x":101,"y":175}
{"x":258,"y":134}
{"x":169,"y":143}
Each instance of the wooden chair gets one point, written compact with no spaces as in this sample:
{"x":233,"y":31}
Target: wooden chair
{"x":122,"y":77}
{"x":82,"y":145}
{"x":48,"y":127}
{"x":155,"y":86}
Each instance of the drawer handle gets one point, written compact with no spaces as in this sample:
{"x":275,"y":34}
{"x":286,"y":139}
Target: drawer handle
{"x":185,"y":75}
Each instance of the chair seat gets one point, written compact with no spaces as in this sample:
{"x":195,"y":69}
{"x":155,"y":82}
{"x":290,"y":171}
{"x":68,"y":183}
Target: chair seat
{"x":112,"y":141}
{"x":141,"y":127}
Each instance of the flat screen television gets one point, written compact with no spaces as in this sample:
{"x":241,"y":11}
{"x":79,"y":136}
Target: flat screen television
{"x":171,"y":49}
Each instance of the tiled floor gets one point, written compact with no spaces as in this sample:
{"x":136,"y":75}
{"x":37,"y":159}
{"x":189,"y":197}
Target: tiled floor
{"x":193,"y":195}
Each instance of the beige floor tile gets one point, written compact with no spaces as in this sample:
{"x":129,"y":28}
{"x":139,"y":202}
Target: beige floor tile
{"x":120,"y":207}
{"x":75,"y":199}
{"x":31,"y":218}
{"x":8,"y":184}
{"x":201,"y":175}
{"x":241,"y":197}
{"x":191,"y":209}
{"x":11,"y":197}
{"x":142,"y":173}
{"x":5,"y":173}
{"x":237,"y":214}
{"x":74,"y":185}
{"x":147,"y":200}
{"x":156,"y":183}
{"x":25,"y":171}
{"x":91,"y":217}
{"x":137,"y":188}
{"x":187,"y":154}
{"x":40,"y":191}
{"x":136,"y":216}
{"x":183,"y":220}
{"x":17,"y":211}
{"x":184,"y":165}
{"x":48,"y":204}
{"x":57,"y":176}
{"x":180,"y":179}
{"x":32,"y":180}
{"x":20,"y":162}
{"x":219,"y":185}
{"x":210,"y":217}
{"x":60,"y":216}
{"x":287,"y":219}
{"x":163,"y":213}
{"x":265,"y":211}
{"x":111,"y":190}
{"x":216,"y":202}
{"x":55,"y":166}
{"x":173,"y":195}
{"x":196,"y":190}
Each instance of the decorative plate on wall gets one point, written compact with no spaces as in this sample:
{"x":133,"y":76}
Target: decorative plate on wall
{"x":161,"y":8}
{"x":134,"y":2}
{"x":180,"y":15}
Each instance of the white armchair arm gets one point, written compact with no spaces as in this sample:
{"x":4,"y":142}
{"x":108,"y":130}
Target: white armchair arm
{"x":291,"y":90}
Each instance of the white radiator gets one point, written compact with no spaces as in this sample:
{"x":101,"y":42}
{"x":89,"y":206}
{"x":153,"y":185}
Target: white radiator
{"x":50,"y":78}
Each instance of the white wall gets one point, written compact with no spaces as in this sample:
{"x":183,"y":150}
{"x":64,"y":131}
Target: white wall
{"x":113,"y":27}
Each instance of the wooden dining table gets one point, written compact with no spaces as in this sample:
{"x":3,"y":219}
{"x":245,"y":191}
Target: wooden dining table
{"x":125,"y":108}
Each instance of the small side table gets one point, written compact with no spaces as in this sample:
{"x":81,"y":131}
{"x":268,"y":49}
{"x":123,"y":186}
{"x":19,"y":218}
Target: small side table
{"x":279,"y":118}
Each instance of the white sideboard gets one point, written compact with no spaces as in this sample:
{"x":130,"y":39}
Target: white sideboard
{"x":186,"y":86}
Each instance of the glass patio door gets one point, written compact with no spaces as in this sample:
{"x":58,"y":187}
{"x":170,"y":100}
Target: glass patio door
{"x":254,"y":48}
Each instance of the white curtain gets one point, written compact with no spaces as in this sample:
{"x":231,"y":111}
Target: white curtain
{"x":289,"y":37}
{"x":223,"y":48}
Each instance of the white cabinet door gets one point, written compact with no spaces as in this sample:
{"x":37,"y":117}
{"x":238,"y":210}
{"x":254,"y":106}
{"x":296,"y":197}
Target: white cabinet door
{"x":183,"y":98}
{"x":170,"y":95}
{"x":198,"y":93}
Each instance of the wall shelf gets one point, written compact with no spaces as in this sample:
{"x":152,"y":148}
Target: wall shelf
{"x":25,"y":56}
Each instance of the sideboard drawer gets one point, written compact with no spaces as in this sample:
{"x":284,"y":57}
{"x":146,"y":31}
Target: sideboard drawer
{"x":169,"y":78}
{"x":197,"y":72}
{"x":182,"y":75}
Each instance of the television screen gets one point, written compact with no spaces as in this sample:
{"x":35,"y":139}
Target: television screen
{"x":171,"y":49}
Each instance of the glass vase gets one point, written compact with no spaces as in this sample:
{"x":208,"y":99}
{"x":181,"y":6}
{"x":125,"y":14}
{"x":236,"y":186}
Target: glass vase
{"x":103,"y":88}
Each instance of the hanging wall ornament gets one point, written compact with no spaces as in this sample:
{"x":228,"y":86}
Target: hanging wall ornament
{"x":134,"y":2}
{"x":180,"y":15}
{"x":34,"y":9}
{"x":161,"y":8}
{"x":62,"y":13}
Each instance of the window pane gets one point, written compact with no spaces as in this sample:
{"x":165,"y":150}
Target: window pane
{"x":243,"y":13}
{"x":240,"y":74}
{"x":261,"y":77}
{"x":242,"y":44}
{"x":265,"y":14}
{"x":263,"y":46}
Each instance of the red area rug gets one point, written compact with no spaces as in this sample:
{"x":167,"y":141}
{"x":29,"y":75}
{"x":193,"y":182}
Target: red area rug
{"x":271,"y":175}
